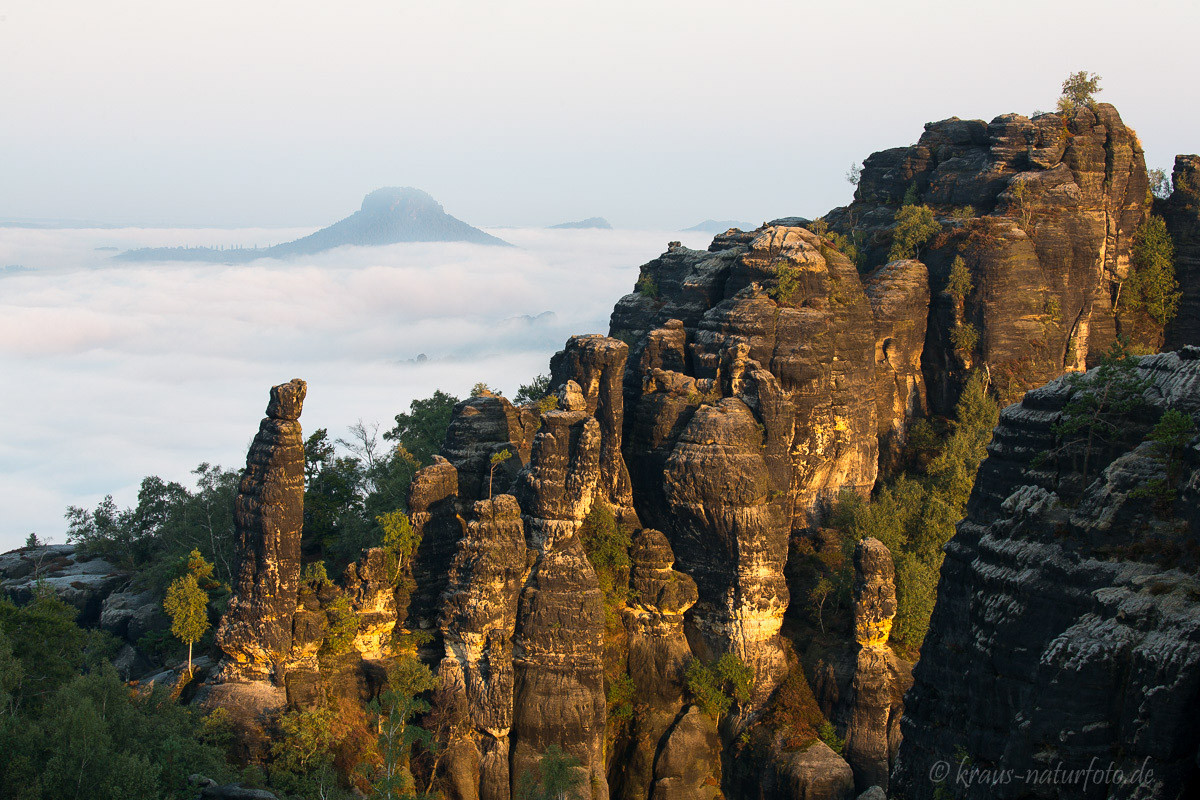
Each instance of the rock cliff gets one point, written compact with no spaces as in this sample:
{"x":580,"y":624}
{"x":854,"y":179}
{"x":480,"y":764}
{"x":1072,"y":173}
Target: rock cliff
{"x":1067,"y":627}
{"x":1181,"y":211}
{"x":1043,"y":212}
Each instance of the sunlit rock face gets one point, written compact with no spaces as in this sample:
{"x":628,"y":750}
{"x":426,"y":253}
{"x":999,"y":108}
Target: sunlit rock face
{"x":899,"y":295}
{"x":478,"y":621}
{"x":1043,"y":211}
{"x":749,"y":406}
{"x":1070,"y":604}
{"x":256,"y":631}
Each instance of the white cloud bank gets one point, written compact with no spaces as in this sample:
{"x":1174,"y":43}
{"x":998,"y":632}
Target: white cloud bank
{"x":113,"y":371}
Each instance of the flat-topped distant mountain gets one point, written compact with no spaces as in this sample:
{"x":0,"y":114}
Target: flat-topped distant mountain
{"x":717,"y":226}
{"x":590,"y":222}
{"x":387,"y":216}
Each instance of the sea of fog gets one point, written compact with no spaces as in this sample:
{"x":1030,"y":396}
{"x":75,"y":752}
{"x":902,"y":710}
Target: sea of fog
{"x":112,"y":371}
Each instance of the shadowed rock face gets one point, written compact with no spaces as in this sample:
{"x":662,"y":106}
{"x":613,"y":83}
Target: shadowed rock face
{"x":658,"y":657}
{"x":1053,"y":208}
{"x":1063,"y":631}
{"x":256,"y":631}
{"x":1182,"y":214}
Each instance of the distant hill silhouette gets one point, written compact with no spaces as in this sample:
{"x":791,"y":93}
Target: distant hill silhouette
{"x":590,"y":222}
{"x":717,"y":226}
{"x":387,"y":216}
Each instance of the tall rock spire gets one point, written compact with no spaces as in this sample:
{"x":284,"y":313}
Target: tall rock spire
{"x":256,"y":631}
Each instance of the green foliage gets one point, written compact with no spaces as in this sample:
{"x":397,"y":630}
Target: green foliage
{"x":827,"y":734}
{"x":343,"y":627}
{"x":605,"y":541}
{"x":959,"y":283}
{"x":646,"y":287}
{"x":1160,"y":183}
{"x":481,"y":389}
{"x":854,"y":174}
{"x":1079,"y":89}
{"x":547,"y":403}
{"x":315,"y":575}
{"x":1151,"y":286}
{"x":915,"y":225}
{"x":621,"y":693}
{"x":307,"y":739}
{"x":963,"y":213}
{"x":394,"y":711}
{"x":400,"y":540}
{"x":915,"y":515}
{"x":62,"y":731}
{"x":787,"y":282}
{"x":1096,"y":416}
{"x":167,"y":523}
{"x":187,"y":605}
{"x":533,"y":391}
{"x":498,"y":458}
{"x":964,"y":337}
{"x":910,"y":195}
{"x":558,"y":778}
{"x":423,"y":429}
{"x":1171,"y":435}
{"x":715,"y":686}
{"x":32,"y":540}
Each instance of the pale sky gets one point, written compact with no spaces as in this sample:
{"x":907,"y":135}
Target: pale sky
{"x":522,"y":112}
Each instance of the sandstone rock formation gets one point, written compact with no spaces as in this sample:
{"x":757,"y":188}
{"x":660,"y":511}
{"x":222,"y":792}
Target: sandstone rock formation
{"x":80,"y":580}
{"x":1043,"y":211}
{"x":256,"y":631}
{"x":479,"y":617}
{"x":658,"y":656}
{"x":1181,"y":211}
{"x":899,"y":295}
{"x":750,"y":402}
{"x":863,"y":687}
{"x":1067,"y":627}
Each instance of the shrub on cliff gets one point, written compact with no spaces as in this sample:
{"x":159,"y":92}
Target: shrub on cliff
{"x":1079,"y":89}
{"x":716,"y":686}
{"x":1151,"y":287}
{"x":915,"y":225}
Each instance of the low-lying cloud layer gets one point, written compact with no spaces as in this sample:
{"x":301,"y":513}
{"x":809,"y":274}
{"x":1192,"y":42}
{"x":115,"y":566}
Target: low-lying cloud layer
{"x":113,"y":371}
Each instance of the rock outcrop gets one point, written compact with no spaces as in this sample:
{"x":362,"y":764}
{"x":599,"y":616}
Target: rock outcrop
{"x":899,"y":295}
{"x":256,"y":631}
{"x":1181,"y":211}
{"x":750,"y":402}
{"x":558,"y":644}
{"x":1067,"y":627}
{"x":79,"y":579}
{"x":479,"y":617}
{"x":658,"y":657}
{"x":1042,"y":210}
{"x":862,"y":688}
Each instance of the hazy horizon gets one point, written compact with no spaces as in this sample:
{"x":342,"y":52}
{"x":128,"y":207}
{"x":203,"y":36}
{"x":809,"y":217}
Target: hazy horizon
{"x":527,"y":114}
{"x":128,"y":369}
